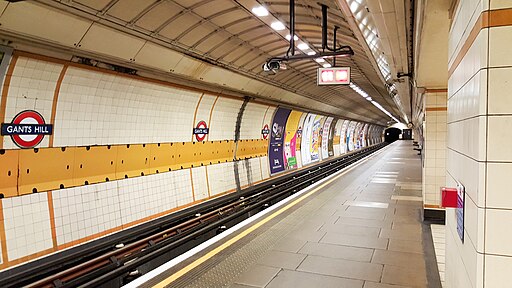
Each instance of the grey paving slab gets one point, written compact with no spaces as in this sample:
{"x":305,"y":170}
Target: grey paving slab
{"x":341,"y":228}
{"x":404,"y":234}
{"x":235,"y":285}
{"x":297,"y":279}
{"x":311,"y":236}
{"x":368,"y":284}
{"x":402,"y":259}
{"x":365,"y":222}
{"x":404,"y":276}
{"x":341,"y":268}
{"x":405,"y":246}
{"x":337,"y":251}
{"x":361,"y":215}
{"x":279,"y":259}
{"x":355,"y":241}
{"x":258,"y":276}
{"x":289,"y":244}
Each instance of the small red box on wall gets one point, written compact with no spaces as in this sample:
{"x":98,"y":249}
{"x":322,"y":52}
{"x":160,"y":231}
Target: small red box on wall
{"x":449,"y":197}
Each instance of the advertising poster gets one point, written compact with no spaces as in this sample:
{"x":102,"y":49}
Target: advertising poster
{"x":337,"y":137}
{"x":358,"y":135}
{"x":330,"y":143}
{"x":299,"y":139}
{"x":316,"y":138}
{"x":343,"y":137}
{"x":276,"y":145}
{"x":350,"y":136}
{"x":365,"y":135}
{"x":307,"y":128}
{"x":291,"y":139}
{"x":325,"y":137}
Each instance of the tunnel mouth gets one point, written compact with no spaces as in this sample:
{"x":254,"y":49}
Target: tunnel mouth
{"x":392,"y":134}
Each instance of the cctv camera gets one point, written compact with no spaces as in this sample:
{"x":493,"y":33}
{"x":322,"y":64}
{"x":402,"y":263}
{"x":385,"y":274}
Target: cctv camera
{"x":271,"y":66}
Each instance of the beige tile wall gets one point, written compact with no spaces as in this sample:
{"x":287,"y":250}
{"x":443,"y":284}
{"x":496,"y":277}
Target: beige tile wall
{"x":434,"y":147}
{"x":479,"y":154}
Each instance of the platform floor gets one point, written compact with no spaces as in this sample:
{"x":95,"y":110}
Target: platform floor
{"x":362,"y":230}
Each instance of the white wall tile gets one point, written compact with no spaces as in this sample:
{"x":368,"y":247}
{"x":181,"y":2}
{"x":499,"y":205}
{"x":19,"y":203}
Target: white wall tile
{"x":499,"y":46}
{"x":498,"y":234}
{"x":498,"y":185}
{"x":254,"y":113}
{"x":223,"y":122}
{"x":498,"y":135}
{"x":200,"y":183}
{"x":500,"y":85}
{"x":497,"y":270}
{"x":27,"y":225}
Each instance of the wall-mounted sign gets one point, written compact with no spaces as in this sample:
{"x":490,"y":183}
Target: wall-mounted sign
{"x":27,"y":129}
{"x":459,"y":212}
{"x":265,"y":131}
{"x":276,"y":144}
{"x":201,"y":131}
{"x":333,"y":76}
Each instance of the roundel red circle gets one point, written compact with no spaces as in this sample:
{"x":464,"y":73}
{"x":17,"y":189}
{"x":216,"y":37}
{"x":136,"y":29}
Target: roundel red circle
{"x":30,"y":117}
{"x":201,"y":136}
{"x":265,"y":131}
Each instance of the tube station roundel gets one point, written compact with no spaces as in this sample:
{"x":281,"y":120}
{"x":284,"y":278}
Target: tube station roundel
{"x":201,"y":130}
{"x":27,"y":129}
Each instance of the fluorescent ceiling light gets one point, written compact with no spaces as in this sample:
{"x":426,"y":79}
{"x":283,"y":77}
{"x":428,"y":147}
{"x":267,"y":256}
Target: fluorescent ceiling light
{"x":311,"y":53}
{"x":327,"y":65}
{"x":289,"y":37}
{"x":319,"y":60}
{"x":260,"y":11}
{"x":278,"y":26}
{"x":303,"y":46}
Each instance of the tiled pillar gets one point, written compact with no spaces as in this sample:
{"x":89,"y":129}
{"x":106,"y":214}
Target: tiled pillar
{"x":434,"y":148}
{"x":479,"y":136}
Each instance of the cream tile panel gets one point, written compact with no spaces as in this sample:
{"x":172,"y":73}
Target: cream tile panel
{"x":474,"y":60}
{"x":500,"y":85}
{"x":465,"y":18}
{"x":86,"y":210}
{"x":468,"y":137}
{"x":498,"y":234}
{"x":470,"y":100}
{"x":498,"y":185}
{"x":499,"y":136}
{"x":468,"y":172}
{"x":101,"y":39}
{"x":32,"y":87}
{"x":181,"y":187}
{"x":497,"y":270}
{"x":99,"y":109}
{"x":253,"y":113}
{"x":200,"y":183}
{"x":225,"y":113}
{"x":499,"y":45}
{"x":500,"y":4}
{"x":269,"y":116}
{"x":43,"y":22}
{"x":474,"y":225}
{"x":27,"y":225}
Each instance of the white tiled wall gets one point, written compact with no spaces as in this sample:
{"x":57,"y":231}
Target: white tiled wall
{"x":200,"y":183}
{"x":86,"y":210}
{"x":100,"y":109}
{"x":434,"y":147}
{"x":254,"y":113}
{"x":223,"y":122}
{"x":27,"y":225}
{"x":479,"y":121}
{"x":221,"y":178}
{"x":32,"y":88}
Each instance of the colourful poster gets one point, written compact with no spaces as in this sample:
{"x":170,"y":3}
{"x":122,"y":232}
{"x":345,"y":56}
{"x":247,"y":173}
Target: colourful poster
{"x":330,"y":143}
{"x":276,"y":151}
{"x":298,"y":143}
{"x":290,"y":140}
{"x":343,"y":135}
{"x":316,"y":138}
{"x":350,"y":136}
{"x":337,"y":137}
{"x":325,"y":137}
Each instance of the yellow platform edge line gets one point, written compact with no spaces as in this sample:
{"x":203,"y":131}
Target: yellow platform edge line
{"x":244,"y":233}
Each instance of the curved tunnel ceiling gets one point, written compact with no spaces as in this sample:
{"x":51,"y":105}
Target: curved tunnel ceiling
{"x":227,"y":33}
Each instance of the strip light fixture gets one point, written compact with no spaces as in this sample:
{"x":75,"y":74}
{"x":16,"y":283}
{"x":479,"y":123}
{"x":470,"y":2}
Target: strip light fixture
{"x":365,"y":95}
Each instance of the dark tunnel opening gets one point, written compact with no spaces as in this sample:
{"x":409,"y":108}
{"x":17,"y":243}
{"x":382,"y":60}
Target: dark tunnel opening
{"x":392,"y":134}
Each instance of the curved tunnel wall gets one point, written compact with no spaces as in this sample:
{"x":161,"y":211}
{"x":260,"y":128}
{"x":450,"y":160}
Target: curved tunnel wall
{"x":123,"y":152}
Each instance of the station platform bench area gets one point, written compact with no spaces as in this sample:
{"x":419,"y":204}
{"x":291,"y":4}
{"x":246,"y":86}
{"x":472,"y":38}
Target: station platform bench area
{"x":361,"y":227}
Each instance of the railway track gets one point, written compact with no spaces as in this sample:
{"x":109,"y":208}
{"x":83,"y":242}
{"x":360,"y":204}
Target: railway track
{"x":115,"y":260}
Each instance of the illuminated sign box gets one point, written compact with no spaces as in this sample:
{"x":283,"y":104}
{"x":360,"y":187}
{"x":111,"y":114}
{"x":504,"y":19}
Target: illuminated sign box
{"x":333,"y":76}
